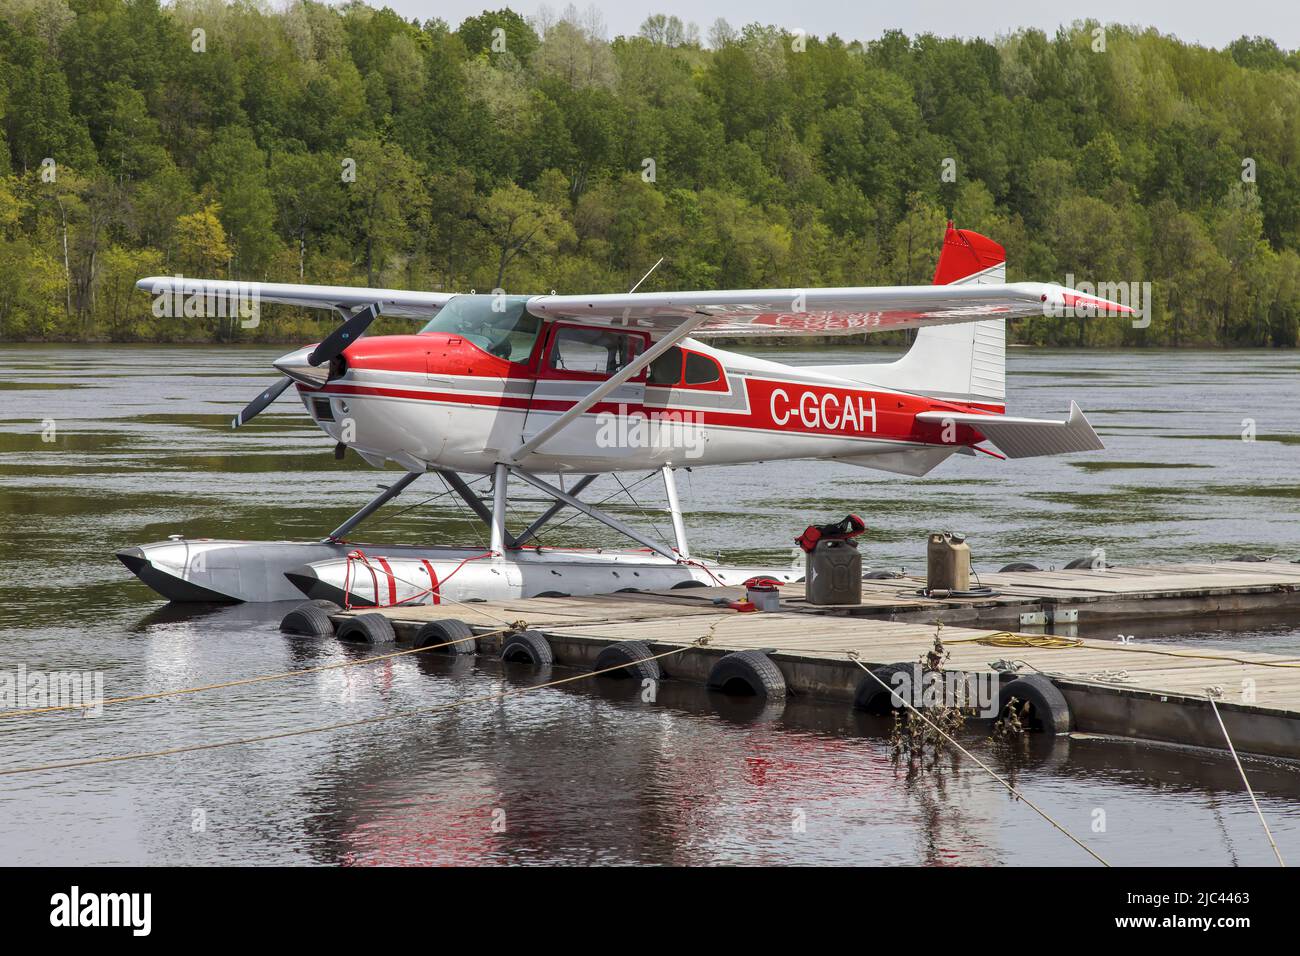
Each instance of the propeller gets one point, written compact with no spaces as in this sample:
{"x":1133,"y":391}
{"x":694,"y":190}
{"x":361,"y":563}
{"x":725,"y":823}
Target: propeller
{"x":333,"y":345}
{"x":344,"y":335}
{"x":255,"y":407}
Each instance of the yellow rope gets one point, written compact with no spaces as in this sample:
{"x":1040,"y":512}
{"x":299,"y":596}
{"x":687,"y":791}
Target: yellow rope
{"x":518,"y":625}
{"x":380,"y":718}
{"x":1057,"y":642}
{"x":1009,"y":639}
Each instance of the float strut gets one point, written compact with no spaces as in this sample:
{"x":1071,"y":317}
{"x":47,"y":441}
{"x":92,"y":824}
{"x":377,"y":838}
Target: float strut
{"x":388,"y":494}
{"x":596,"y":513}
{"x":500,"y":476}
{"x":675,"y":509}
{"x":555,"y":508}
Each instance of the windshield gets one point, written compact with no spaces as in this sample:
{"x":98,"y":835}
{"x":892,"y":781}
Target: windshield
{"x":498,"y":324}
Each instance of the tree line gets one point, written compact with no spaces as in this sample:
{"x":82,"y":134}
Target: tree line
{"x":346,"y":145}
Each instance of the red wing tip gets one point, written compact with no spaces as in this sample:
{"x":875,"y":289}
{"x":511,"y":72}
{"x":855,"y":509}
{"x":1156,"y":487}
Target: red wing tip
{"x":1103,"y":306}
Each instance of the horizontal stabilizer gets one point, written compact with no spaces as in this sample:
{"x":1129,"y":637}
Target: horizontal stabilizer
{"x":1026,"y":437}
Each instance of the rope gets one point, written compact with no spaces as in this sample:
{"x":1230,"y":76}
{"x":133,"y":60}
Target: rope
{"x":379,"y":718}
{"x":1203,"y":657}
{"x":705,"y":568}
{"x":431,"y":590}
{"x":853,"y":656}
{"x":1009,"y":639}
{"x":1057,"y":642}
{"x":519,"y":625}
{"x":1210,"y":694}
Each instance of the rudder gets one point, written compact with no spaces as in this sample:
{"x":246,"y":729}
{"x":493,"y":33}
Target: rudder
{"x":964,"y":362}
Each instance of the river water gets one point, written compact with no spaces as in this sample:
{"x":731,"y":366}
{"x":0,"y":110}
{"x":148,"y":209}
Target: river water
{"x":102,"y":447}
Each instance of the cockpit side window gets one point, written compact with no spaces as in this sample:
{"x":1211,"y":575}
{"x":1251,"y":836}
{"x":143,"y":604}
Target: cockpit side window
{"x":591,"y":351}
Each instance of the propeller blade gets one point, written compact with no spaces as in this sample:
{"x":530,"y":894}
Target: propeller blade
{"x":253,"y":408}
{"x":343,"y":336}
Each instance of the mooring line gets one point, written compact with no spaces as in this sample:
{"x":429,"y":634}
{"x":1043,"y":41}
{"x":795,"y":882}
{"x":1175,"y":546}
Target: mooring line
{"x":379,"y":718}
{"x":1060,"y":642}
{"x":853,"y":656}
{"x":519,"y":625}
{"x":1210,"y":695}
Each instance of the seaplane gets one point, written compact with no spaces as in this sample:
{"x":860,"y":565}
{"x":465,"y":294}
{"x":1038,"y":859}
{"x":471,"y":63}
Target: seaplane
{"x":551,"y":391}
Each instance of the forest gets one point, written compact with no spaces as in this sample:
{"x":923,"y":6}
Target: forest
{"x":346,"y":145}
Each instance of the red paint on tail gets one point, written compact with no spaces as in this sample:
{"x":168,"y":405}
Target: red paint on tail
{"x":964,"y":254}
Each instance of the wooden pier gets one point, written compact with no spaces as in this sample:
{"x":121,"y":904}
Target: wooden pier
{"x":1128,"y":688}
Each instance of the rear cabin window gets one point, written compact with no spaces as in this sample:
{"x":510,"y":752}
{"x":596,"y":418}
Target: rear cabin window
{"x":701,"y":370}
{"x":676,"y":367}
{"x":593,"y":351}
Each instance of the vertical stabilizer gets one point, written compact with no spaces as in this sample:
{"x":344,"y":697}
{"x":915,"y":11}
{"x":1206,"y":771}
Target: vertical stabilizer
{"x":964,"y":362}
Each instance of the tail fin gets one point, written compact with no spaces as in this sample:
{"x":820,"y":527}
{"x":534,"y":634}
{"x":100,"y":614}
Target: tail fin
{"x":963,"y":362}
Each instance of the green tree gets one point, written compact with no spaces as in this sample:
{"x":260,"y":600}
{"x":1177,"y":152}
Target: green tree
{"x":517,"y":37}
{"x":235,"y":169}
{"x":519,"y":226}
{"x":382,"y":198}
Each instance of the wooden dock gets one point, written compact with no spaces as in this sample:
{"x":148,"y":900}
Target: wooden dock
{"x":1140,"y":689}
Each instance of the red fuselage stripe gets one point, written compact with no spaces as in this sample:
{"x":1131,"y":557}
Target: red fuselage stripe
{"x":821,"y":410}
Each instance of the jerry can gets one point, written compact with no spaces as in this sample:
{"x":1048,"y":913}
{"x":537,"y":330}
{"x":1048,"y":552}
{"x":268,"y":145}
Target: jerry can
{"x":947,"y":562}
{"x":833,"y":573}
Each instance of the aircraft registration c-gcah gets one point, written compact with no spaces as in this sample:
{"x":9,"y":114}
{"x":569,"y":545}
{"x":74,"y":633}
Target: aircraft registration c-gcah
{"x":571,"y":387}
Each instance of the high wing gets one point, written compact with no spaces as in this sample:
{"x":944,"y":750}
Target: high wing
{"x":415,"y":305}
{"x":1026,"y":437}
{"x":844,"y":311}
{"x":821,"y":311}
